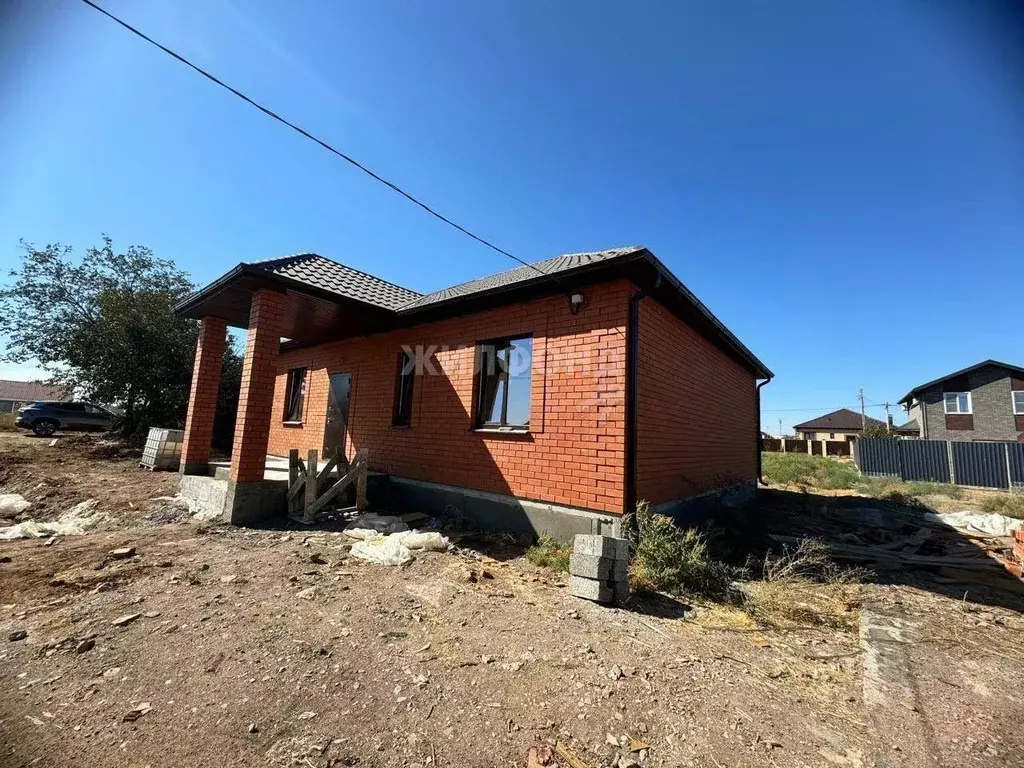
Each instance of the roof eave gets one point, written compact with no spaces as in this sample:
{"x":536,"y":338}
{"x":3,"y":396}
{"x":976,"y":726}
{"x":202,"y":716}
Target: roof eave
{"x":272,"y":279}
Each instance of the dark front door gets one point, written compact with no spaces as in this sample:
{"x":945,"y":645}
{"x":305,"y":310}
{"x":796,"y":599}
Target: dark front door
{"x":336,"y":427}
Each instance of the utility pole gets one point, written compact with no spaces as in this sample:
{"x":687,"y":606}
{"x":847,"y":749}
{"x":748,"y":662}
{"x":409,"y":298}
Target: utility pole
{"x":888,"y":418}
{"x":863,"y":415}
{"x":781,"y":436}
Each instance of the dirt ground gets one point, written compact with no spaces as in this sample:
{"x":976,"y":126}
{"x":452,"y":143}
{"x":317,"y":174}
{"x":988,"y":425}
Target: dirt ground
{"x":211,"y":645}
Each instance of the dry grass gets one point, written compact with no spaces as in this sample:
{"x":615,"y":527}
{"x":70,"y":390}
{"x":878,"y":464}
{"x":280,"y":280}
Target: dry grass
{"x":802,"y":586}
{"x":7,"y":420}
{"x":1009,"y":504}
{"x":550,"y":553}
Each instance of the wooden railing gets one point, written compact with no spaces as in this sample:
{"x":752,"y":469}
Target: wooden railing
{"x":310,"y":489}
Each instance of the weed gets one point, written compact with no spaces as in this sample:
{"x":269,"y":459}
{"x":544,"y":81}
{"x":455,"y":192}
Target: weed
{"x":550,"y":553}
{"x":671,"y":559}
{"x":810,"y":471}
{"x":802,"y":585}
{"x":935,"y":489}
{"x":7,"y":420}
{"x":1009,"y":504}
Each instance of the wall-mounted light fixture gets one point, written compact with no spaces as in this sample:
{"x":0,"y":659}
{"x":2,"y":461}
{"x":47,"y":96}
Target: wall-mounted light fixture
{"x":576,"y":301}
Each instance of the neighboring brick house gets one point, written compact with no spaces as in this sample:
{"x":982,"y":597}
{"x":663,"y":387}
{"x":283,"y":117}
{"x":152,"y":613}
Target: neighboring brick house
{"x":549,"y":397}
{"x":15,"y":394}
{"x":982,"y":403}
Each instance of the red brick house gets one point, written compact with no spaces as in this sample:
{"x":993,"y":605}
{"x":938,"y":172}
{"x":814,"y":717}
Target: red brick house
{"x":550,"y":397}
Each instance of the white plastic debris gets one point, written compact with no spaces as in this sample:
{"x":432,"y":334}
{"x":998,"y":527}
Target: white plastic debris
{"x":75,"y":521}
{"x":992,"y":524}
{"x":13,"y":504}
{"x":396,"y":548}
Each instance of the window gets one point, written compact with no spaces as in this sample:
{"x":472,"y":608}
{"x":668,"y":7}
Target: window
{"x":295,"y":395}
{"x":957,"y":402}
{"x":405,"y":375}
{"x":503,"y":383}
{"x":1018,"y":402}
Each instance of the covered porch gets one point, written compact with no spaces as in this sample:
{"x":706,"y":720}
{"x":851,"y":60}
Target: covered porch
{"x":287,"y":303}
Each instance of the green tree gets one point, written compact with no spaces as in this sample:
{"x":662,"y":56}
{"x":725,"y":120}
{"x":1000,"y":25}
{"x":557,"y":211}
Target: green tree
{"x":102,"y":325}
{"x":878,"y":432}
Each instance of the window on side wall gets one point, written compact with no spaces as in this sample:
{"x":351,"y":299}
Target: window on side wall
{"x":1018,"y":402}
{"x":295,"y":395}
{"x":957,"y":402}
{"x":503,"y":384}
{"x":405,"y":376}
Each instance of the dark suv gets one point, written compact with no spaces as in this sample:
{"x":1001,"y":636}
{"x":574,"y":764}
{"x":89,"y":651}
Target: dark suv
{"x":45,"y":418}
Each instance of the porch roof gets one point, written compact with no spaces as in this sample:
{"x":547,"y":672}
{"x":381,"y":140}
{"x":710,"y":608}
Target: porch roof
{"x":329,"y":301}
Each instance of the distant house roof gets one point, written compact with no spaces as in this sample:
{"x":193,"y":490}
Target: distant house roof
{"x":371,"y":300}
{"x":910,"y":426}
{"x":843,"y":420}
{"x":910,"y":395}
{"x":29,"y":391}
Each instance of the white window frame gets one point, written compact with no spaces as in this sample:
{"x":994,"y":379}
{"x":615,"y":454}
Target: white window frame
{"x":945,"y":404}
{"x":1013,"y":402}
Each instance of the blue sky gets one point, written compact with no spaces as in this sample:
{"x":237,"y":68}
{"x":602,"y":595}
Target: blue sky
{"x":842,"y":183}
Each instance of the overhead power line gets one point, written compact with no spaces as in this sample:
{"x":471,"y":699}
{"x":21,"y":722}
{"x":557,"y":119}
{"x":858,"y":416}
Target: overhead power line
{"x":826,"y":409}
{"x":270,"y":113}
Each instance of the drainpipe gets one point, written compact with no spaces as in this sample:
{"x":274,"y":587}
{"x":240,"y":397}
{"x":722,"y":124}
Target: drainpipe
{"x":757,"y":414}
{"x":632,"y":367}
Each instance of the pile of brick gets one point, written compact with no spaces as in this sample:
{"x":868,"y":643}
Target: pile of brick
{"x":599,"y":569}
{"x":1017,"y":567}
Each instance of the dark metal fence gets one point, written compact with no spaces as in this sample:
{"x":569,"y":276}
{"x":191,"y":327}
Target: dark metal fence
{"x":1016,"y":456}
{"x":926,"y":460}
{"x":984,"y":465}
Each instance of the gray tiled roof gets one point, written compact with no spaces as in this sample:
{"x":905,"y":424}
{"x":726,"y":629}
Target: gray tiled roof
{"x":555,"y":266}
{"x":319,"y":272}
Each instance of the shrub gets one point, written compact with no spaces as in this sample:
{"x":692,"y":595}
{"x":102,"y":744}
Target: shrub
{"x":550,"y":553}
{"x":7,"y":420}
{"x":670,"y":559}
{"x":1009,"y":504}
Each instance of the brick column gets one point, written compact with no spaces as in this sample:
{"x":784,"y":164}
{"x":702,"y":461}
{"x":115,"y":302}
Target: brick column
{"x":202,"y":402}
{"x":255,"y":401}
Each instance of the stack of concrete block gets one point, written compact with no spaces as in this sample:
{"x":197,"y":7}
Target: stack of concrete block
{"x":599,"y":568}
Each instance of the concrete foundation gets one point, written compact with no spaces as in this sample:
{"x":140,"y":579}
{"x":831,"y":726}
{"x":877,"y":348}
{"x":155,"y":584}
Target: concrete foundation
{"x":694,"y":510}
{"x":235,"y":503}
{"x":492,"y":511}
{"x":255,"y":502}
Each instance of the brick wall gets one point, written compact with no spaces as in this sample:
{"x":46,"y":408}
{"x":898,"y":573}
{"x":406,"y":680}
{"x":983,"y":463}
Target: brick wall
{"x":992,"y":417}
{"x":574,"y":454}
{"x":696,"y":428}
